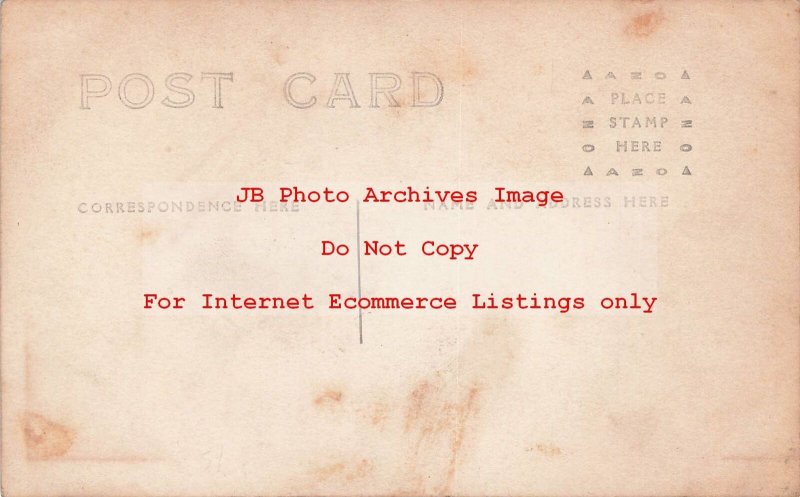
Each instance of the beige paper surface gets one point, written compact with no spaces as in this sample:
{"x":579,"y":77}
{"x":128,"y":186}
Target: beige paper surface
{"x":671,"y":128}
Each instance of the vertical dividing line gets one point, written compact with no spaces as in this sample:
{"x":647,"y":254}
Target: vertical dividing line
{"x":358,"y":259}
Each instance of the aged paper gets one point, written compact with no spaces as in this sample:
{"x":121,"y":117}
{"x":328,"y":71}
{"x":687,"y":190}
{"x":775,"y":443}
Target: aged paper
{"x":587,"y":213}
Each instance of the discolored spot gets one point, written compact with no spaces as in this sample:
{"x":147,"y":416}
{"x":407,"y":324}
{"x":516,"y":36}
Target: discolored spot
{"x":463,"y":411}
{"x":469,"y":71}
{"x":377,"y":413}
{"x":148,"y":235}
{"x":437,"y":419}
{"x":278,"y":53}
{"x":435,"y":422}
{"x":442,"y":411}
{"x":328,"y":397}
{"x":644,"y":25}
{"x":548,"y":449}
{"x":344,"y":471}
{"x":417,"y":402}
{"x":463,"y":67}
{"x":359,"y":470}
{"x":45,"y":439}
{"x":326,"y":472}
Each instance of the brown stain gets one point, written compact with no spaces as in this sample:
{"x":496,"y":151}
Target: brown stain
{"x":403,"y":106}
{"x":469,"y":71}
{"x":437,"y":421}
{"x":443,"y":410}
{"x":644,"y":25}
{"x":416,"y":403}
{"x":278,"y":53}
{"x":377,"y":414}
{"x":148,"y":235}
{"x":329,"y":397}
{"x":326,"y":472}
{"x":343,"y":471}
{"x":360,"y":470}
{"x":45,"y":439}
{"x":467,"y":409}
{"x":452,"y":68}
{"x":548,"y":450}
